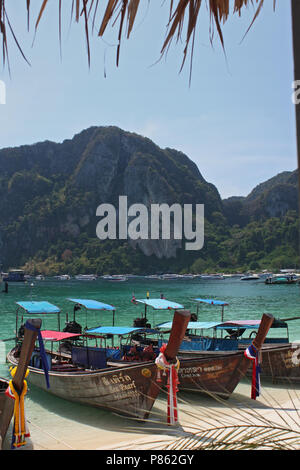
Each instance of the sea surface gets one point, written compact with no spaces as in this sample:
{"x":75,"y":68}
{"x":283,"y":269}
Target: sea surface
{"x":246,"y":299}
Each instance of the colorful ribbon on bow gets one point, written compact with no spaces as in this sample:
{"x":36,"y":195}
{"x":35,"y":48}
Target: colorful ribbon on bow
{"x":253,"y":354}
{"x":29,"y":326}
{"x":172,"y":371}
{"x":20,"y":429}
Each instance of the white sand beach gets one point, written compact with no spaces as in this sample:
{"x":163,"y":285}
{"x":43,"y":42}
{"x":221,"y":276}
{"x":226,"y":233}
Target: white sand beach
{"x":56,"y":424}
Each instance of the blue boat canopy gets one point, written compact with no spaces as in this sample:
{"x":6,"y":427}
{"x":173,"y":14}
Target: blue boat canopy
{"x":39,"y":308}
{"x":212,"y":302}
{"x":92,"y":304}
{"x":115,"y":330}
{"x":192,"y":325}
{"x":160,"y":304}
{"x":249,"y":324}
{"x":239,"y":324}
{"x":228,"y":325}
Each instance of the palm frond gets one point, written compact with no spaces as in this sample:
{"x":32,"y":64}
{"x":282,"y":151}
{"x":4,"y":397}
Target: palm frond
{"x":211,"y":423}
{"x":183,"y":16}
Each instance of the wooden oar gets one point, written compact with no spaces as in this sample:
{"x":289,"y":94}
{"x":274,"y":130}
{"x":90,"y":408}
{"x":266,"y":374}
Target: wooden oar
{"x":8,"y":339}
{"x":18,"y":379}
{"x":289,"y":319}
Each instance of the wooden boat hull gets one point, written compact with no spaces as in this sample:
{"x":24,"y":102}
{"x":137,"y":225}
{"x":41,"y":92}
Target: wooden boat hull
{"x":130,"y":390}
{"x":3,"y":387}
{"x":280,"y":362}
{"x":126,"y":388}
{"x":218,"y":375}
{"x":32,"y":326}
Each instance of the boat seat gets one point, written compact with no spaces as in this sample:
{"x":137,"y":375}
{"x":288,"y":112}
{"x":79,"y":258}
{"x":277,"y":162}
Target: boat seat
{"x":91,"y":357}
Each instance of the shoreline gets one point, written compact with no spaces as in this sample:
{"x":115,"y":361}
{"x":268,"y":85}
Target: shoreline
{"x":65,"y":426}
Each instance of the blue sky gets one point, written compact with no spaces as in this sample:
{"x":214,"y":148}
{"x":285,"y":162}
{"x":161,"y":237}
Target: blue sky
{"x":236,"y":121}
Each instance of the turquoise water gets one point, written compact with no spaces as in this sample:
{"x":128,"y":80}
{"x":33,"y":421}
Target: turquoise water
{"x":52,"y":416}
{"x":246,"y":299}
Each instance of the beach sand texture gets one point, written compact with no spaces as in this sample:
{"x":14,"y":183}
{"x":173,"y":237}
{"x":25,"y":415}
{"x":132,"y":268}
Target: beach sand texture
{"x":56,"y":424}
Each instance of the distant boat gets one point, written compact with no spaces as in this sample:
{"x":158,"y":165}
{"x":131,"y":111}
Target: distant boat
{"x":86,"y":277}
{"x":14,"y":275}
{"x":64,"y":277}
{"x":233,"y":276}
{"x":170,"y":277}
{"x":212,"y":276}
{"x":40,"y":277}
{"x":252,"y":277}
{"x":176,"y":277}
{"x":186,"y":277}
{"x":115,"y":278}
{"x":288,"y":279}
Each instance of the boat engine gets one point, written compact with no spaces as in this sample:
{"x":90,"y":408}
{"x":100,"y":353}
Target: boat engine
{"x":71,"y":327}
{"x":141,"y":323}
{"x":21,"y":332}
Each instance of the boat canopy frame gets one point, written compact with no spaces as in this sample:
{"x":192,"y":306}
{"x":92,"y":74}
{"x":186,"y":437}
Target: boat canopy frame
{"x":90,"y":304}
{"x":35,"y":307}
{"x":235,"y":325}
{"x":158,"y":304}
{"x":216,"y":303}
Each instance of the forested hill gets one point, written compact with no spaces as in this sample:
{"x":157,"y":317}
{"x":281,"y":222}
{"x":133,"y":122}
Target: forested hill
{"x":273,"y":198}
{"x":49,"y":194}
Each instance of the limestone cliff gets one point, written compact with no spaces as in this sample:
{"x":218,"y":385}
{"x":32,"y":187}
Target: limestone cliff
{"x":50,"y":191}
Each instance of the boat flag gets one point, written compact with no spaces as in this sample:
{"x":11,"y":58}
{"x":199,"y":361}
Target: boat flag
{"x":42,"y":351}
{"x":253,"y":354}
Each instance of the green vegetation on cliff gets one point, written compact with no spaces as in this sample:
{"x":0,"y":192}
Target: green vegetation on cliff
{"x":49,"y":194}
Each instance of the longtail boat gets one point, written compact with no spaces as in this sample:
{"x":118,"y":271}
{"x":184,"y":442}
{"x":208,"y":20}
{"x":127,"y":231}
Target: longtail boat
{"x":280,"y":357}
{"x":217,"y":374}
{"x":87,"y":376}
{"x":32,"y":326}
